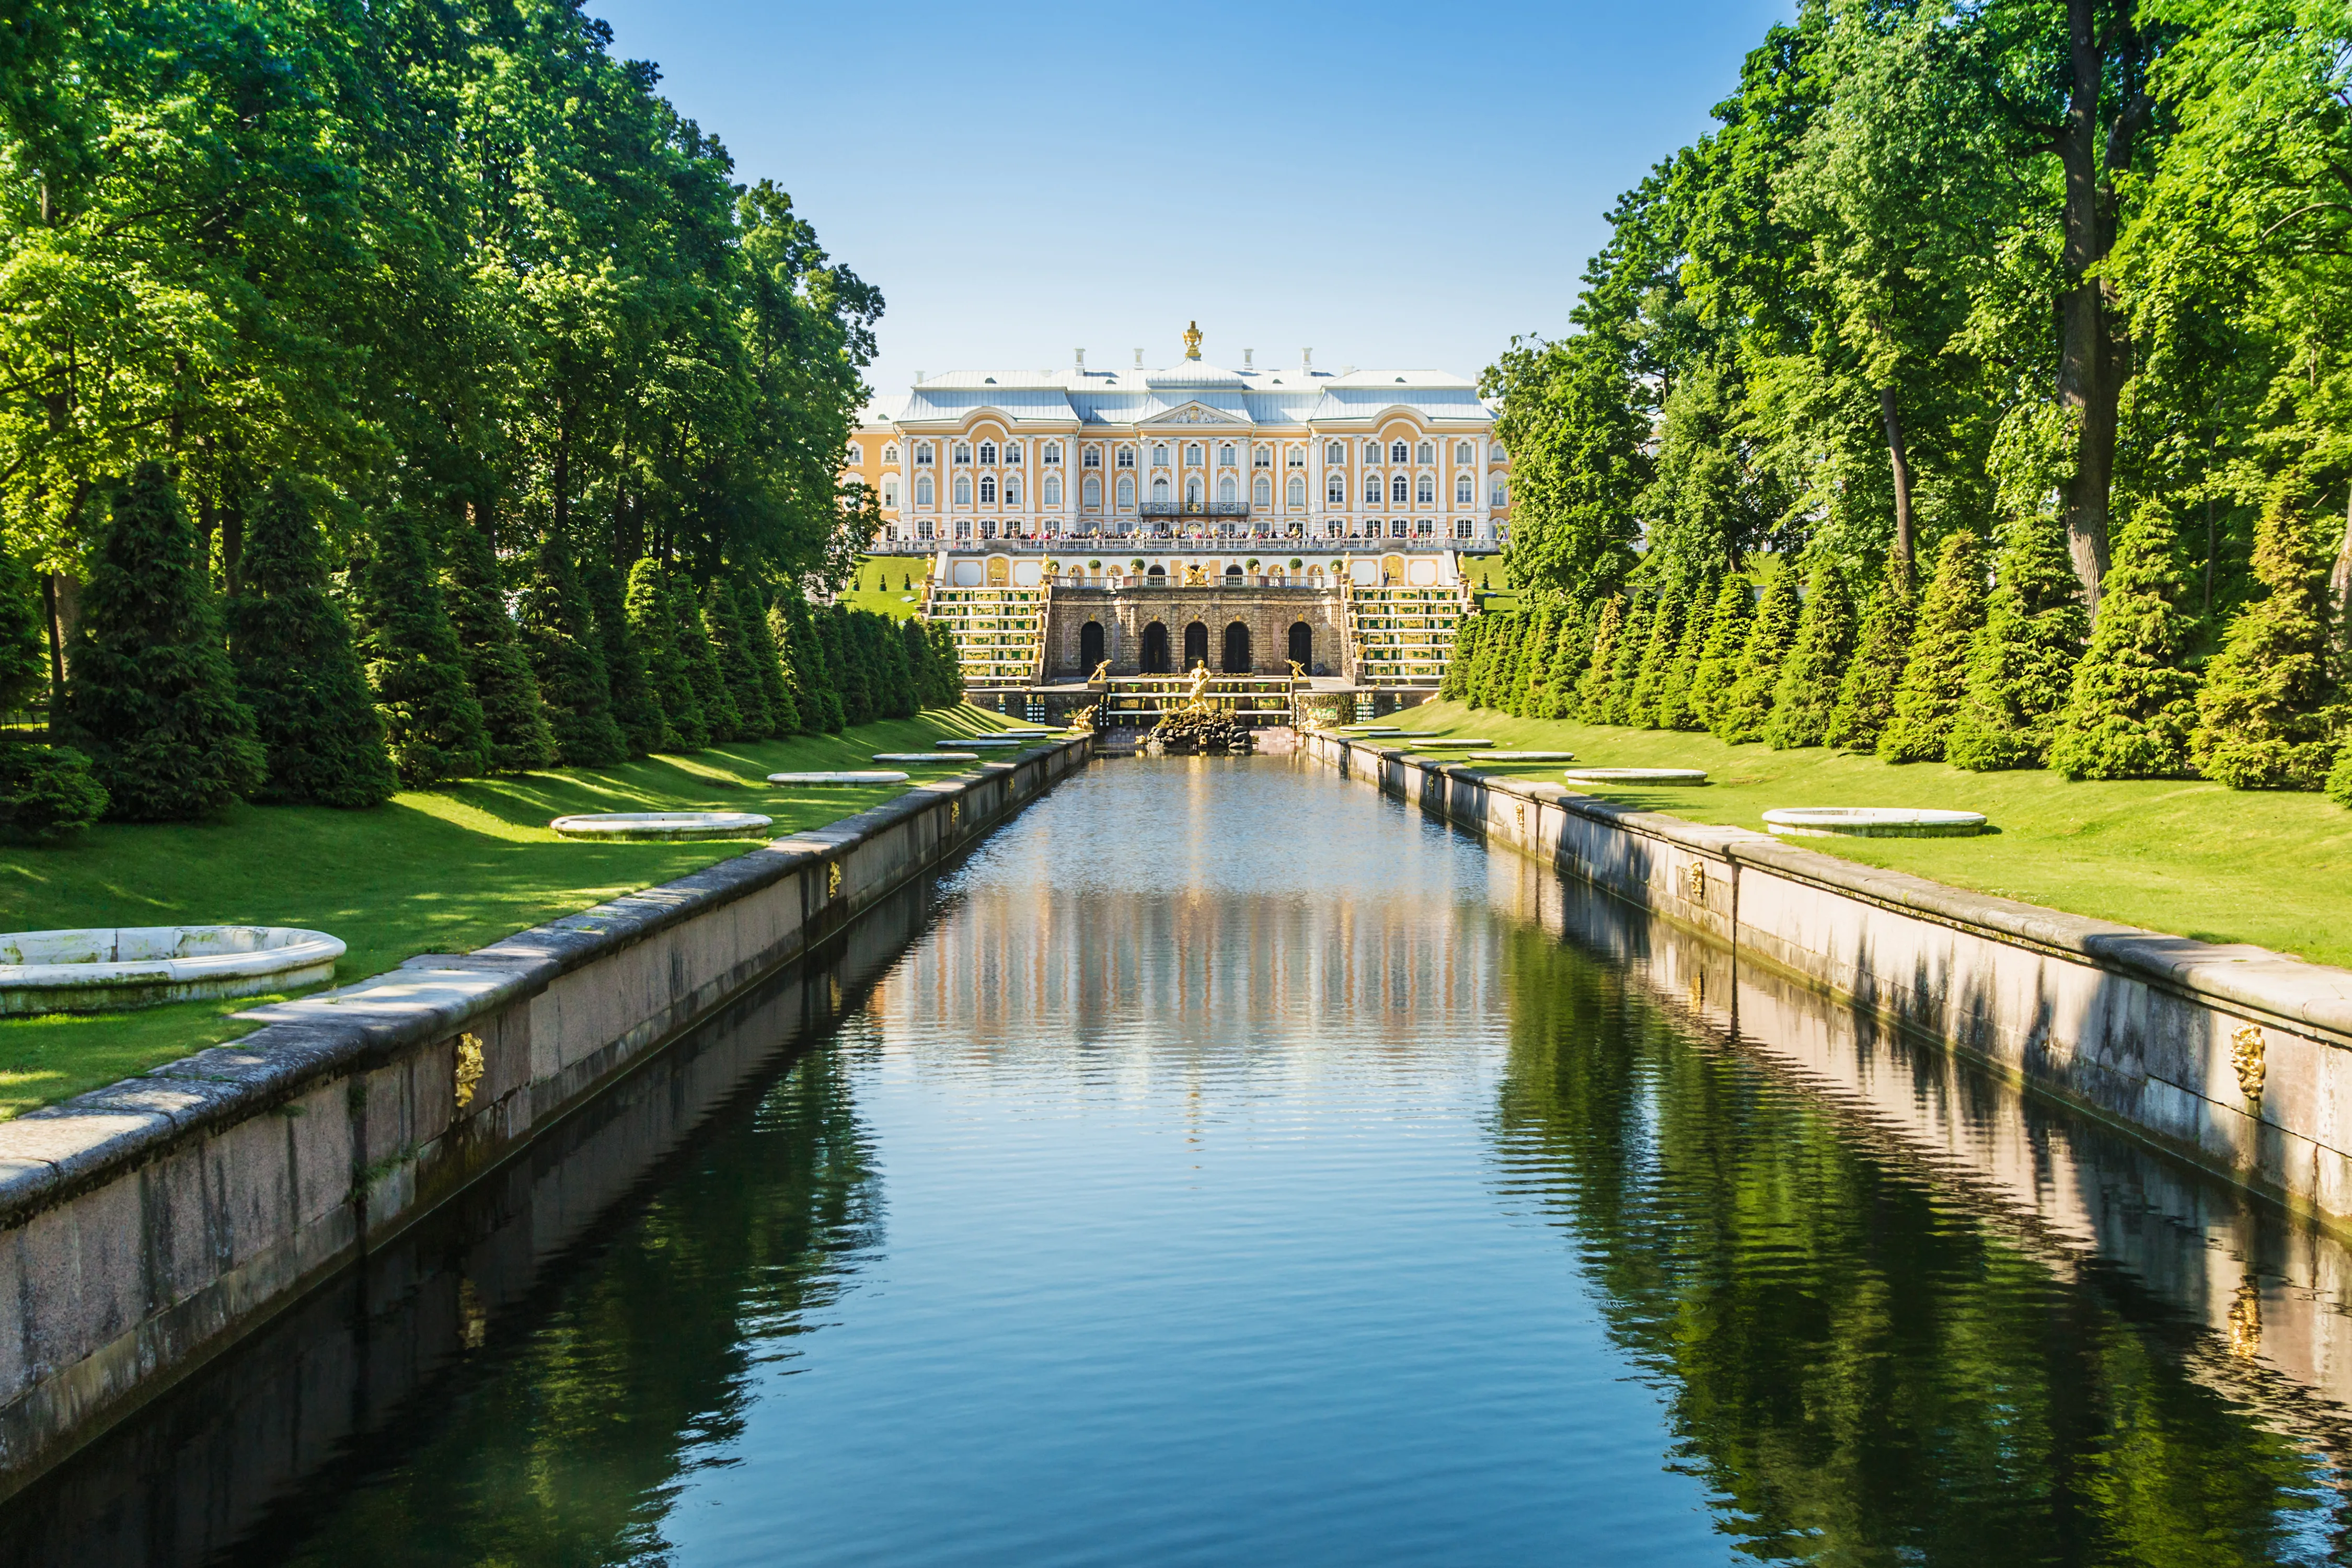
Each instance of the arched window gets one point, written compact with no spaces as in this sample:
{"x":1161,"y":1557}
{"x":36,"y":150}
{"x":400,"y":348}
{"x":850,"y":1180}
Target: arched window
{"x":1302,"y":645}
{"x":1261,"y":458}
{"x":1372,"y":490}
{"x":1502,"y":493}
{"x":1495,"y":450}
{"x":1262,"y":492}
{"x":1425,"y":453}
{"x":1397,"y":489}
{"x":922,"y":454}
{"x":962,"y":452}
{"x":1335,"y":452}
{"x":1396,"y":453}
{"x":1196,"y":645}
{"x":1013,"y":490}
{"x":1298,"y":489}
{"x":1192,"y":454}
{"x":1159,"y":453}
{"x":890,"y":453}
{"x":988,"y":488}
{"x":1424,"y":489}
{"x":890,"y":494}
{"x":1462,"y":453}
{"x":1126,"y":492}
{"x":1052,"y":492}
{"x":1090,"y":646}
{"x":1463,"y":490}
{"x":1090,"y":493}
{"x":1192,"y":487}
{"x":1335,"y":488}
{"x":1091,"y":458}
{"x":1160,"y":488}
{"x":922,"y":490}
{"x":1225,"y":491}
{"x":963,"y":489}
{"x":1237,"y":642}
{"x":1225,"y":456}
{"x":1126,"y":457}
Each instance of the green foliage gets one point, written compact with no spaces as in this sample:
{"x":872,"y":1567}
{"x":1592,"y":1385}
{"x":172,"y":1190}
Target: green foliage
{"x":558,"y":634}
{"x":2021,"y":663}
{"x":47,"y":791}
{"x":1571,"y":651}
{"x":297,"y":669}
{"x":1529,"y":682}
{"x":923,"y":664}
{"x":152,"y":699}
{"x":433,"y":720}
{"x":1936,"y":674}
{"x":2134,"y":701}
{"x":1595,"y":693}
{"x":1643,"y":706}
{"x":700,"y":662}
{"x":2263,"y":716}
{"x":752,"y":615}
{"x":730,"y":644}
{"x":949,"y":666}
{"x":1625,"y":665}
{"x":1577,"y":466}
{"x":845,"y":657}
{"x":1460,"y":657}
{"x":1744,"y":710}
{"x":1672,"y":708}
{"x":24,"y":636}
{"x":1816,"y":667}
{"x":1866,"y":703}
{"x":818,"y":693}
{"x":635,"y":709}
{"x":888,"y":657}
{"x":513,"y":718}
{"x":647,"y":604}
{"x":1717,"y":668}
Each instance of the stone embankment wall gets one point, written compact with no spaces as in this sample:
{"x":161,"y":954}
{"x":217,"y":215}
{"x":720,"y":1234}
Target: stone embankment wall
{"x":148,"y":1224}
{"x":2235,"y":1057}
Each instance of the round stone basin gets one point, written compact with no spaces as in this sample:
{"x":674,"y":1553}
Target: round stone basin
{"x":1451,"y":745}
{"x":1872,"y":822}
{"x":845,"y":777}
{"x":927,"y":756}
{"x":1635,"y":775}
{"x":661,"y":826}
{"x":100,"y":969}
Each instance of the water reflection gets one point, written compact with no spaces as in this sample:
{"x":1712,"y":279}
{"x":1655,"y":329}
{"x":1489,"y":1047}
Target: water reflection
{"x":1237,"y":1167}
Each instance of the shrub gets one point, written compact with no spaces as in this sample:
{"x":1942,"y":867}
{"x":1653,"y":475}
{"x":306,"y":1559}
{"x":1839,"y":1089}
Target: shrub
{"x":559,"y":633}
{"x":2022,"y":660}
{"x":1625,"y":661}
{"x":1936,"y":672}
{"x":1656,"y":668}
{"x":1747,"y":707}
{"x":923,"y":661}
{"x":644,"y":729}
{"x":1866,"y":703}
{"x":2263,"y":719}
{"x":730,"y":644}
{"x":1592,"y":693}
{"x":2134,"y":703}
{"x":432,"y":720}
{"x":513,"y":718}
{"x":1571,"y":653}
{"x":950,"y":662}
{"x":819,"y":694}
{"x":784,"y":713}
{"x":1533,"y":677}
{"x":889,"y":656}
{"x":1672,"y":705}
{"x":1452,"y":686}
{"x":23,"y":635}
{"x":850,"y":676}
{"x":2340,"y":777}
{"x":647,"y":604}
{"x":1718,"y":664}
{"x":47,"y":791}
{"x":1808,"y":690}
{"x":808,"y":698}
{"x":700,"y":662}
{"x":152,"y":699}
{"x":296,"y":671}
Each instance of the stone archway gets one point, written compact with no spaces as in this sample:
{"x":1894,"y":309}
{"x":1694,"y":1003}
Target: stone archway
{"x":1155,"y":648}
{"x":1196,"y":644}
{"x":1090,"y":646}
{"x":1302,"y":645}
{"x":1237,"y":648}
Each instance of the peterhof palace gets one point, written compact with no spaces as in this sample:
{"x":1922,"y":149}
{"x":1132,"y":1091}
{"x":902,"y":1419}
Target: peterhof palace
{"x":1091,"y":535}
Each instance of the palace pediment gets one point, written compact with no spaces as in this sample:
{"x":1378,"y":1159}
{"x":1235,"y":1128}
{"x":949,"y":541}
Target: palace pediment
{"x":1195,"y":413}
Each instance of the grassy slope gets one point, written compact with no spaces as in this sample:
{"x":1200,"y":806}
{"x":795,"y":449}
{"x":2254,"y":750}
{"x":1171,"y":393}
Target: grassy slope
{"x":443,"y":871}
{"x":2179,"y":856}
{"x":882,"y":585}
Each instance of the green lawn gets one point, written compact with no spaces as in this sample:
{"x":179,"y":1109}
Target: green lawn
{"x":887,"y":586}
{"x":2180,"y":855}
{"x":443,"y":871}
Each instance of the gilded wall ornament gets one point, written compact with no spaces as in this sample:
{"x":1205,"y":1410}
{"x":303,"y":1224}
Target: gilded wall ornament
{"x":2246,"y":1045}
{"x":466,"y":1074}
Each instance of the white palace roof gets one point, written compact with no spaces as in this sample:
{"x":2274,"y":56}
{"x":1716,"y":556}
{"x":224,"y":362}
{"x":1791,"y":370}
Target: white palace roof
{"x":1125,"y":398}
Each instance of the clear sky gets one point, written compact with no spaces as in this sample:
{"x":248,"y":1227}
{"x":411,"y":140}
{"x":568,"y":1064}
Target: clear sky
{"x":1388,"y":184}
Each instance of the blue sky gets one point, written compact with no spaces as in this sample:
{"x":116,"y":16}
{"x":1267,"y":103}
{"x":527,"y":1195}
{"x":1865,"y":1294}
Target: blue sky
{"x":1390,"y":185}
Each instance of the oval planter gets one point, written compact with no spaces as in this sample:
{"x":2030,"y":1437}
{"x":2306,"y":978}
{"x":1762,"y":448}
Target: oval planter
{"x":99,"y":969}
{"x":927,"y":756}
{"x":1872,"y":822}
{"x":845,"y":777}
{"x":660,"y":827}
{"x":1635,"y":775}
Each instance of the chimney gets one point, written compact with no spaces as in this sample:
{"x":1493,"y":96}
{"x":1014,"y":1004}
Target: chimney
{"x":1306,"y":361}
{"x":1248,"y":359}
{"x":1082,"y":361}
{"x":1138,"y":359}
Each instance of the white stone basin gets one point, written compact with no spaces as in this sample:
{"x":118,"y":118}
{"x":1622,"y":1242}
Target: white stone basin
{"x":977,"y":742}
{"x":1527,"y":756}
{"x":99,"y":969}
{"x":927,"y":756}
{"x":1872,"y":822}
{"x":1635,"y":775}
{"x":1370,"y":730}
{"x":631,"y":827}
{"x":1451,"y":745}
{"x":843,"y":777}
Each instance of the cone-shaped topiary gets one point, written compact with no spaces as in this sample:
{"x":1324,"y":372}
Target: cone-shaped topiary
{"x":1594,"y":697}
{"x":784,"y":713}
{"x":807,"y":702}
{"x":1747,"y":708}
{"x":2134,"y":703}
{"x":818,"y":693}
{"x":1529,"y":682}
{"x":151,"y":698}
{"x":297,"y":669}
{"x":496,"y":666}
{"x":1936,"y":672}
{"x":559,"y":633}
{"x":1451,"y":687}
{"x":1656,"y":667}
{"x":1625,"y":658}
{"x":920,"y":660}
{"x":1571,"y":653}
{"x":730,"y":643}
{"x":1816,"y":665}
{"x":2340,"y":777}
{"x":1672,"y":707}
{"x":950,"y":662}
{"x":2262,"y":719}
{"x":850,"y":675}
{"x":2022,"y":661}
{"x":899,"y":699}
{"x":700,"y":661}
{"x":1718,"y":663}
{"x":647,"y":604}
{"x":1493,"y":649}
{"x":1866,"y":701}
{"x":644,"y":729}
{"x":431,"y":718}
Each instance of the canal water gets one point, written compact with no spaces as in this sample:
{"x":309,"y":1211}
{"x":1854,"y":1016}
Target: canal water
{"x":1226,"y":1165}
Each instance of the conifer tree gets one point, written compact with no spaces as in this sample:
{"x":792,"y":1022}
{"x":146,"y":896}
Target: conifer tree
{"x":1493,"y":648}
{"x":808,"y":700}
{"x":1674,"y":701}
{"x":897,"y":676}
{"x":784,"y":713}
{"x":151,"y":698}
{"x":1528,"y":680}
{"x":513,"y":718}
{"x":297,"y":669}
{"x":23,"y":637}
{"x":1866,"y":701}
{"x":1646,"y":704}
{"x":2340,"y":777}
{"x":1454,"y":684}
{"x":921,"y":659}
{"x":850,"y":675}
{"x":700,"y":662}
{"x":730,"y":644}
{"x":432,"y":720}
{"x":1816,"y":665}
{"x":1936,"y":671}
{"x":647,"y":604}
{"x":1571,"y":652}
{"x":558,"y":634}
{"x":2134,"y":703}
{"x":1747,"y":708}
{"x":2263,"y":715}
{"x":46,"y":790}
{"x":822,"y":697}
{"x":950,"y":662}
{"x":1718,"y":664}
{"x":1592,"y":692}
{"x":2022,"y":660}
{"x":1625,"y":666}
{"x":644,"y":729}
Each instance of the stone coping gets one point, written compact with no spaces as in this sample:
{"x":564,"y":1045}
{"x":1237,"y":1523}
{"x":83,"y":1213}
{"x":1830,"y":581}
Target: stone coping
{"x":2251,"y":980}
{"x":841,"y":776}
{"x":1872,"y":822}
{"x":661,"y":826}
{"x":1636,"y":775}
{"x":927,"y":756}
{"x":99,"y":968}
{"x":979,"y":742}
{"x":48,"y":1155}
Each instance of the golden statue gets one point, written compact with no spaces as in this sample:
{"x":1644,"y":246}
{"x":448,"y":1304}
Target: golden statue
{"x":1192,"y":339}
{"x":1101,"y":674}
{"x":1295,"y":672}
{"x":1199,"y":682}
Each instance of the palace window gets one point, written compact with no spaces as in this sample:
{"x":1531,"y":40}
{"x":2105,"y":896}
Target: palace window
{"x":890,"y":493}
{"x":962,"y":452}
{"x":987,"y":454}
{"x":1426,"y":453}
{"x":1159,"y":453}
{"x":1396,"y":527}
{"x":1126,"y":492}
{"x":1502,"y":493}
{"x":1336,"y":490}
{"x":1396,"y":453}
{"x":1426,"y":528}
{"x":1464,"y":491}
{"x":987,"y":488}
{"x":1425,"y":489}
{"x":1495,"y":450}
{"x":1372,"y":451}
{"x":1296,"y":458}
{"x":922,"y":454}
{"x":963,"y":527}
{"x":1225,"y":456}
{"x":1159,"y":488}
{"x":1372,"y":490}
{"x":1012,"y":451}
{"x":1091,"y":458}
{"x":1460,"y":528}
{"x":1091,"y":493}
{"x":1126,"y":457}
{"x":1052,"y":492}
{"x":1335,"y":528}
{"x":890,"y":453}
{"x":1262,"y":492}
{"x":1463,"y":452}
{"x":1261,"y":458}
{"x":923,"y":489}
{"x":963,"y":489}
{"x":1335,"y":453}
{"x":1298,"y":489}
{"x":1192,"y":489}
{"x":926,"y":528}
{"x":1192,"y":454}
{"x":1225,"y":489}
{"x":1052,"y":453}
{"x":1013,"y":490}
{"x":1397,"y":489}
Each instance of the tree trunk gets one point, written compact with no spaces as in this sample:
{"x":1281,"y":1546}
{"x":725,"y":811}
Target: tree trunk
{"x":1905,"y":537}
{"x":231,"y":547}
{"x":2339,"y":581}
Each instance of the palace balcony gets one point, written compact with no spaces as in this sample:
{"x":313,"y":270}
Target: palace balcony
{"x":1153,"y":509}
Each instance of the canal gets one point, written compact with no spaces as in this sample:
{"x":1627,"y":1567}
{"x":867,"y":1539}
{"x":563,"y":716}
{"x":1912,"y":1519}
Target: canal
{"x":1225,"y":1164}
